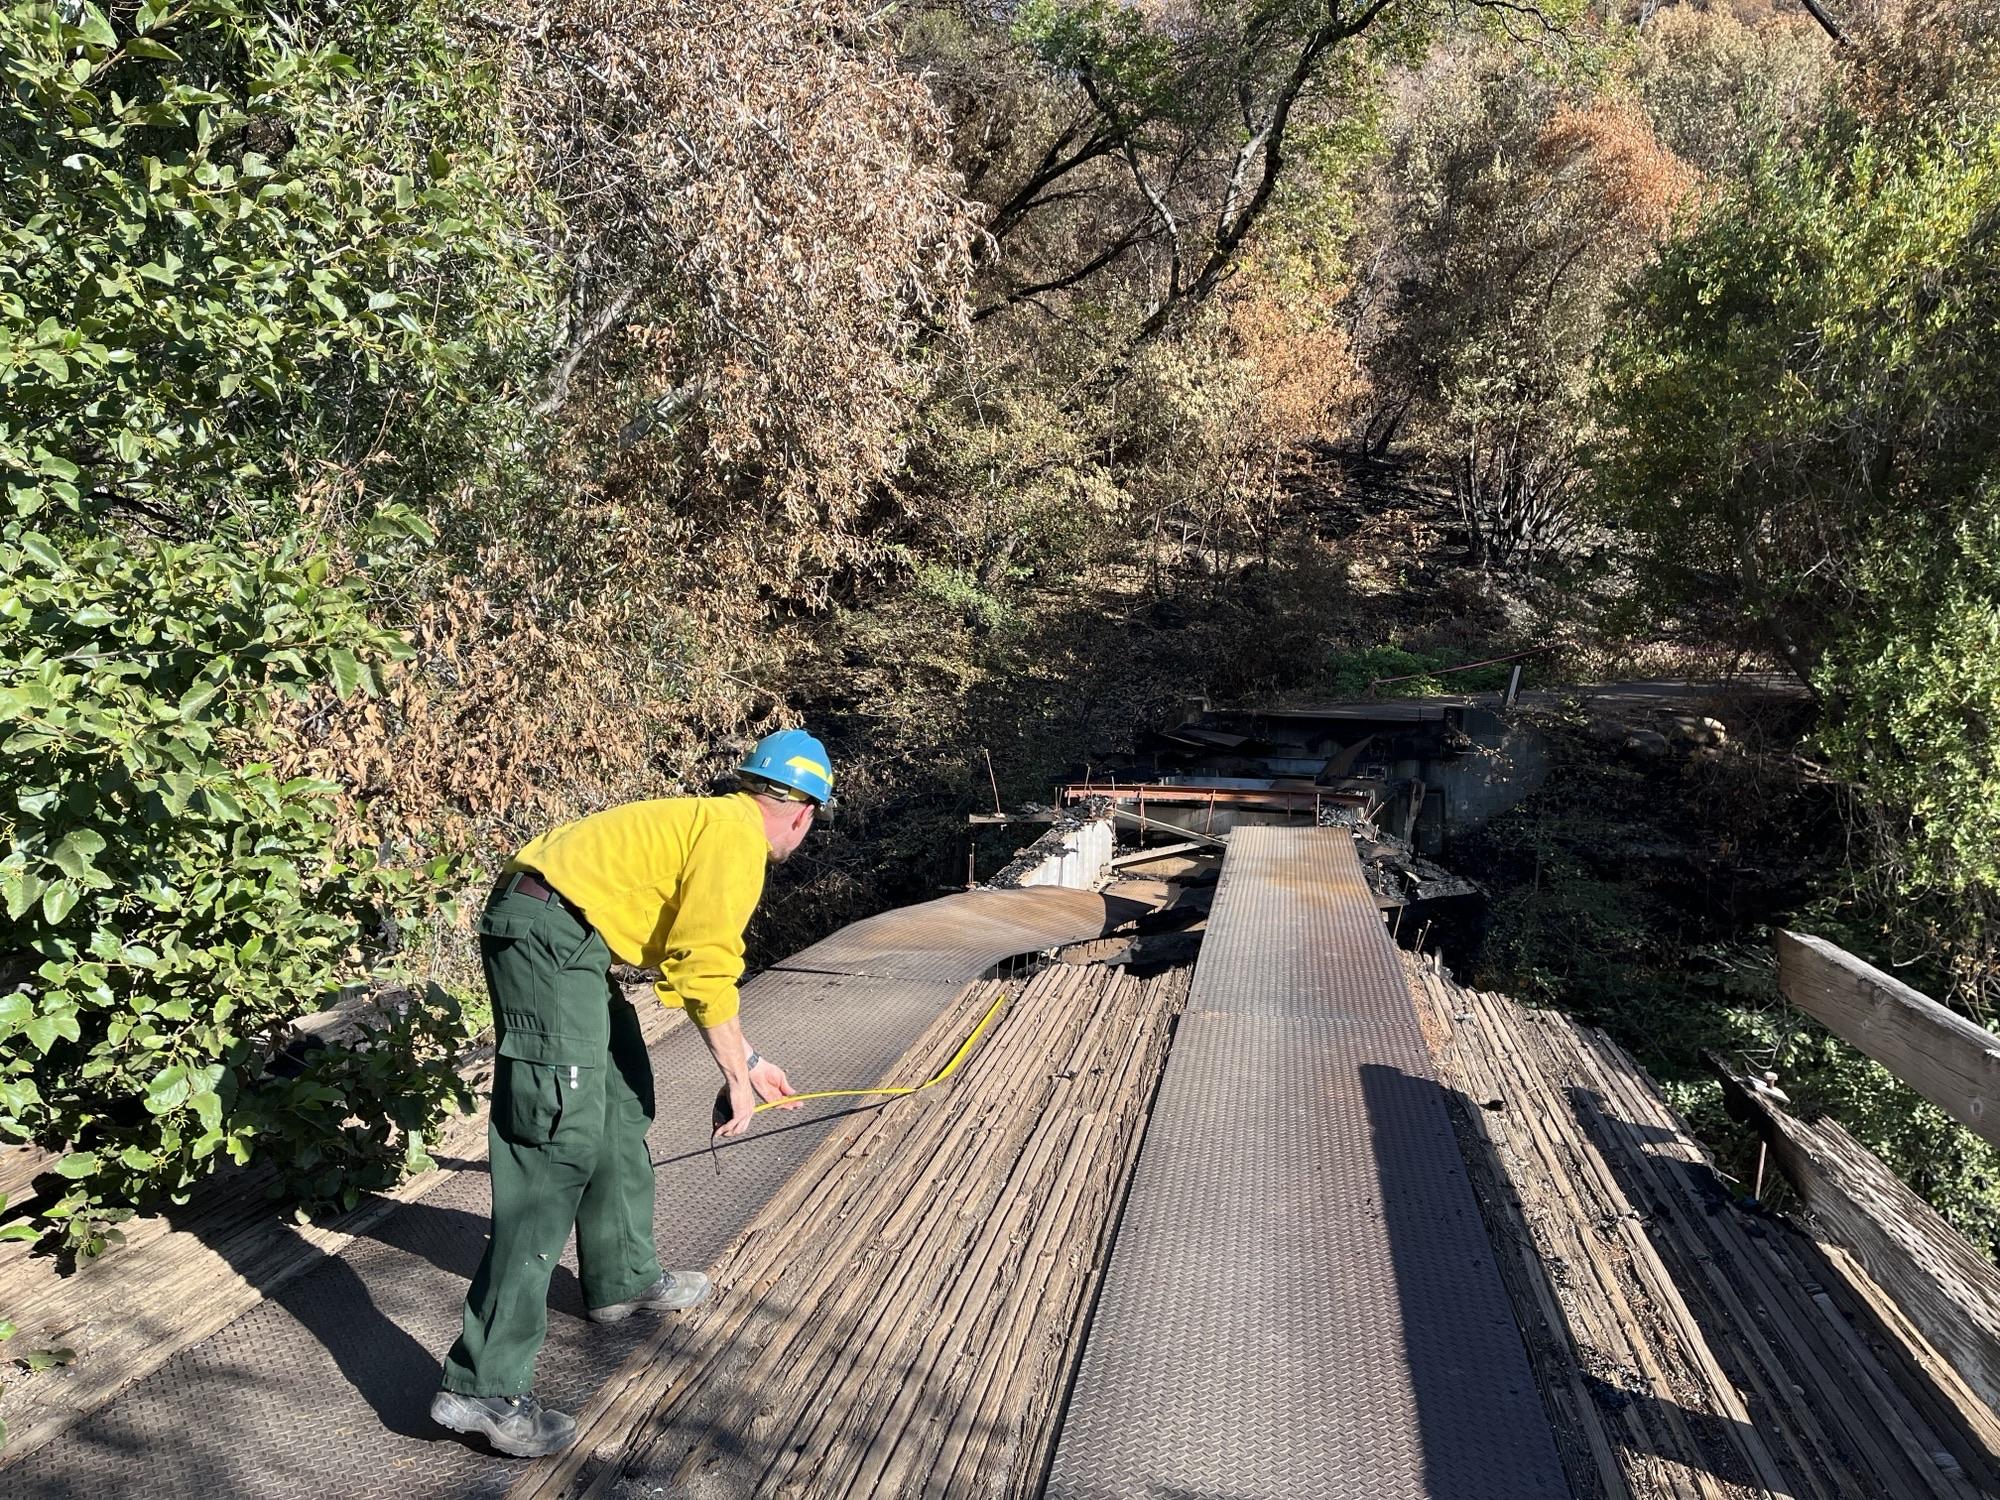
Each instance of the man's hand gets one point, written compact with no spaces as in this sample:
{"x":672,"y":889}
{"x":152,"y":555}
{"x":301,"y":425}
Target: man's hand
{"x":742,"y":1108}
{"x":771,"y":1084}
{"x":726,"y":1045}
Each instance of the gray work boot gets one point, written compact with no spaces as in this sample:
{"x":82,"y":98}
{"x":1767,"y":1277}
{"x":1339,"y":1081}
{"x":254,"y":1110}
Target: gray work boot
{"x":673,"y":1291}
{"x":516,"y":1425}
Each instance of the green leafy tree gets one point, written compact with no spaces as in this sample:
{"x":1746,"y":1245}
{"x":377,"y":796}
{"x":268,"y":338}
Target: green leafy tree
{"x":258,"y":281}
{"x":1803,"y":401}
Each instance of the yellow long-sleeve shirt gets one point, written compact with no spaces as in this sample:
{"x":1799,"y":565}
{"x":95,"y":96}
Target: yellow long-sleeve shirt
{"x":670,"y":884}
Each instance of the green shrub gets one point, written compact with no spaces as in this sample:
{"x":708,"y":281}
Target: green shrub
{"x":1349,"y":673}
{"x":1802,"y":393}
{"x":257,"y":282}
{"x":175,"y":903}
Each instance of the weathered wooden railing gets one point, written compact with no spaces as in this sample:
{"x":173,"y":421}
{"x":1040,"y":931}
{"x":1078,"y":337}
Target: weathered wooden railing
{"x":1947,"y":1289}
{"x":1936,"y":1051}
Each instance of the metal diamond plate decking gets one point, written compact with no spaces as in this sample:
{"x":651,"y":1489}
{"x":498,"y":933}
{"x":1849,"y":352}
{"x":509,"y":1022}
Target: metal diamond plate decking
{"x":1301,"y":1300}
{"x":937,"y":938}
{"x":323,"y":1390}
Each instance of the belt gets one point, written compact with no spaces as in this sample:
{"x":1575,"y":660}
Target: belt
{"x":528,"y":883}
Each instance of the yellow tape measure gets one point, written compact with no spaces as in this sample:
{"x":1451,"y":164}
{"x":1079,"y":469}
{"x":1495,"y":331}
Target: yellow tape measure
{"x":964,"y":1049}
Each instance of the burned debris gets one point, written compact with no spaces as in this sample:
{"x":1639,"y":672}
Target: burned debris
{"x":1402,"y":777}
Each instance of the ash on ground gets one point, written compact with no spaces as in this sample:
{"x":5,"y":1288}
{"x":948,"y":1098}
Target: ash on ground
{"x":1394,"y":870}
{"x":1050,"y":844}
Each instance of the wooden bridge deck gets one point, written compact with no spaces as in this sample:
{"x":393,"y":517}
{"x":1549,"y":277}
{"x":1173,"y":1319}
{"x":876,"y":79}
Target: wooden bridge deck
{"x":1684,"y":1346}
{"x":903,"y":1313}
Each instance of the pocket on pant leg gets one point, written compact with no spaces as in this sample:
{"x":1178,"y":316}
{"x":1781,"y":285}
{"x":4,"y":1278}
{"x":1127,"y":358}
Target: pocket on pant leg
{"x":585,"y":951}
{"x":513,"y":962}
{"x":548,"y":999}
{"x":529,"y":1099}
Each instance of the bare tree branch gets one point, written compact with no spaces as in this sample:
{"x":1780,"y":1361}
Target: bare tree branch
{"x":1236,"y":223}
{"x":1827,"y":23}
{"x":607,"y":318}
{"x":1152,"y":196}
{"x":1053,"y":167}
{"x":1267,"y":56}
{"x":1103,"y":258}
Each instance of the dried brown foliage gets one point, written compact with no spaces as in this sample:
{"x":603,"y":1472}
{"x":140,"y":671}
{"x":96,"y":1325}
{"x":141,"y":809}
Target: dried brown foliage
{"x":745,"y":208}
{"x":1914,"y":58}
{"x":753,"y":200}
{"x":512,"y":717}
{"x":1303,"y":377}
{"x":1518,"y":209}
{"x":1614,"y":176}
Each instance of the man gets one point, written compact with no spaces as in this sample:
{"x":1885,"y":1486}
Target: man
{"x":668,"y":884}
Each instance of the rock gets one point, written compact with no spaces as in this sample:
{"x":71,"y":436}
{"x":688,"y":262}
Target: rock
{"x":1648,"y":743}
{"x":1699,"y":729}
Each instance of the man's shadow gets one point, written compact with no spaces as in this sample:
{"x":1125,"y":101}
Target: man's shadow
{"x":352,"y":1317}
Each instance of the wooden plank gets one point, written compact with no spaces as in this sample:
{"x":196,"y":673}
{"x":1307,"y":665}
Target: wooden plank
{"x":1628,"y":1259}
{"x":19,"y":1167}
{"x":1620,"y":1358}
{"x":1939,"y":1053}
{"x":1147,"y":825}
{"x":1583,"y":1437}
{"x":1949,"y":1291}
{"x":1948,"y":1399}
{"x":1164,"y":851}
{"x":1648,"y":1315}
{"x":1843,"y":1416}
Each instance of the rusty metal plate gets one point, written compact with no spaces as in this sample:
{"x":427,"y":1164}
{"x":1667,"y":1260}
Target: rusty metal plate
{"x":1301,"y":1301}
{"x":962,"y":935}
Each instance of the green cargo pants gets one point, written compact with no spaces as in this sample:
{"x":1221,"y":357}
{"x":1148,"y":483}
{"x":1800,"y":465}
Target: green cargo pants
{"x":572,"y":1099}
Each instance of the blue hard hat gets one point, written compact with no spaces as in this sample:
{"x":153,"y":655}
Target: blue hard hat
{"x":793,"y":760}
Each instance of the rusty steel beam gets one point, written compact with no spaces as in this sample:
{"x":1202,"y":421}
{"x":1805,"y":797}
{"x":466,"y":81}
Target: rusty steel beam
{"x":1307,"y":799}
